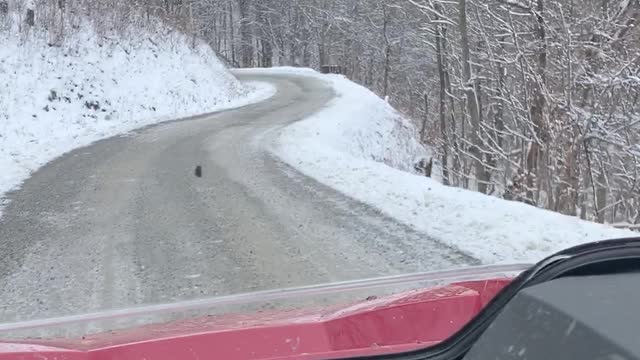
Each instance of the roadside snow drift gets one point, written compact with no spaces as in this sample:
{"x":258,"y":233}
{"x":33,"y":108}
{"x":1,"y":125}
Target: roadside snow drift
{"x":57,"y":98}
{"x":362,"y":147}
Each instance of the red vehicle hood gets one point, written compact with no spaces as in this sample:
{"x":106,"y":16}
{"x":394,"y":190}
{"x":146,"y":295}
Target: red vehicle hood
{"x":403,"y":321}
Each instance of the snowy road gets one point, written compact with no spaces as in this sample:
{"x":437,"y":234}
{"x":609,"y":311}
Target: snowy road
{"x":125,"y":221}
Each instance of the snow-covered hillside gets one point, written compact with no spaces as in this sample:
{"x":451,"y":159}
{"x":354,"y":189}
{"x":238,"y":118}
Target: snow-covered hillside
{"x":362,"y":147}
{"x":56,"y":98}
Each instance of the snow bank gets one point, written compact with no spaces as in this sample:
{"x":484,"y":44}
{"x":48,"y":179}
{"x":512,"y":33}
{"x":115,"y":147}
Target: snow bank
{"x":362,"y":147}
{"x":358,"y":124}
{"x":55,"y":99}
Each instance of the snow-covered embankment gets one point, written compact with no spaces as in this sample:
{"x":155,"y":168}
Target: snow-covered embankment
{"x":57,"y":98}
{"x":362,"y":147}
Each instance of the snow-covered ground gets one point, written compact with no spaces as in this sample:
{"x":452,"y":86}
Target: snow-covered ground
{"x":362,"y":147}
{"x":57,"y":98}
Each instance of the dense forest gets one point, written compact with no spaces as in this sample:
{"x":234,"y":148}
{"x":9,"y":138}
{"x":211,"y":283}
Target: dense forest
{"x":530,"y":100}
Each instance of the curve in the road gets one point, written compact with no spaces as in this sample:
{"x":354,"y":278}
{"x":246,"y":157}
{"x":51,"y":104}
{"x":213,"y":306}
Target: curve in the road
{"x":125,"y":221}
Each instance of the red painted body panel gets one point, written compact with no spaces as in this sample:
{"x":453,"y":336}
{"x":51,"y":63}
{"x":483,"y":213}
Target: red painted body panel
{"x":402,"y":322}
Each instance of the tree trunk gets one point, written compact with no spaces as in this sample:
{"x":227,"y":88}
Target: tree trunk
{"x":601,"y":197}
{"x":292,"y":53}
{"x":499,"y":114}
{"x":454,"y":140}
{"x":31,"y":17}
{"x":387,"y":52}
{"x":306,"y":55}
{"x":368,"y":81}
{"x":442,"y":103}
{"x":265,"y":45}
{"x":425,"y":118}
{"x":232,"y":35}
{"x":472,"y":100}
{"x":267,"y":53}
{"x":4,"y":8}
{"x":192,"y":26}
{"x":245,"y":33}
{"x":537,"y":148}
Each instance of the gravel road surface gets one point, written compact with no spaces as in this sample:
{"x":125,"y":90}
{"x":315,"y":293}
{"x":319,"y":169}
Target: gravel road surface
{"x":125,"y":221}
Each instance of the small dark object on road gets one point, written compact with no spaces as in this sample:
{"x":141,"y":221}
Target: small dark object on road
{"x":199,"y":171}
